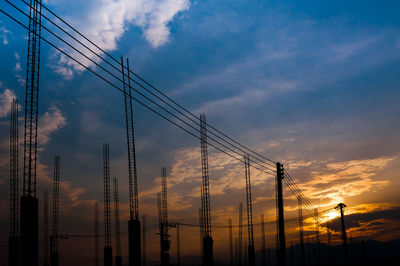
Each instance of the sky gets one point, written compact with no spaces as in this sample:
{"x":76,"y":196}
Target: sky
{"x":312,"y":84}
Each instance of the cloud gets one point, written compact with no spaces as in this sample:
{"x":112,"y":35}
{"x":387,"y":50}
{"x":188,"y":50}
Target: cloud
{"x":18,"y":69}
{"x":107,"y":20}
{"x":50,"y":122}
{"x":334,"y":181}
{"x":3,"y":35}
{"x":5,"y":102}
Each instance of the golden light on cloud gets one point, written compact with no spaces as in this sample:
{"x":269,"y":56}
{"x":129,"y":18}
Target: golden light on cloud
{"x":331,"y":215}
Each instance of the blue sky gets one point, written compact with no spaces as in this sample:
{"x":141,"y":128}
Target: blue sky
{"x":314,"y":84}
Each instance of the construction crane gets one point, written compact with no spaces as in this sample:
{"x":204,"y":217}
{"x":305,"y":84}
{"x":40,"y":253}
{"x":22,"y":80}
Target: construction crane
{"x":134,"y":223}
{"x":118,"y":257}
{"x":107,"y":219}
{"x":208,"y":258}
{"x":54,"y":238}
{"x":250,"y":249}
{"x":14,"y":238}
{"x":29,"y":202}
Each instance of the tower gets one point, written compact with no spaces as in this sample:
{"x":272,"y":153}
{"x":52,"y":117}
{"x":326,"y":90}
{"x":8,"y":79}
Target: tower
{"x":14,"y":238}
{"x":107,"y":219}
{"x":208,"y":257}
{"x":54,"y":238}
{"x":29,"y":202}
{"x":133,"y":223}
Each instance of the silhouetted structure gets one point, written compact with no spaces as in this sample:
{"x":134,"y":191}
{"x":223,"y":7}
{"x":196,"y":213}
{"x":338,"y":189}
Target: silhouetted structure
{"x":108,"y":258}
{"x":45,"y":229}
{"x":301,"y":232}
{"x":250,"y":249}
{"x":201,"y":229}
{"x":29,"y":201}
{"x":230,"y":243}
{"x":134,"y":223}
{"x":14,"y":238}
{"x":263,"y":243}
{"x":144,"y":239}
{"x":317,"y":239}
{"x":54,"y":238}
{"x":178,"y":246}
{"x":281,"y":222}
{"x":118,"y":257}
{"x":340,"y":207}
{"x":165,"y":243}
{"x":240,"y":253}
{"x":96,"y":235}
{"x":208,"y":256}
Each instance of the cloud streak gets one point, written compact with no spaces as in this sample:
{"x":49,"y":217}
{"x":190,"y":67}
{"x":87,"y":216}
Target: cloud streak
{"x":50,"y":122}
{"x":107,"y":20}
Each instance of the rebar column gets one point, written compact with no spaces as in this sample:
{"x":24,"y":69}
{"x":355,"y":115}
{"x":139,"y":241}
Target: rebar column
{"x":301,"y":232}
{"x":118,"y":257}
{"x":230,"y":243}
{"x":208,"y":256}
{"x":54,"y":257}
{"x":45,"y":230}
{"x":240,"y":253}
{"x":144,"y":233}
{"x":263,"y":242}
{"x":134,"y":242}
{"x":96,"y":235}
{"x":250,"y":248}
{"x":14,"y":241}
{"x":29,"y":202}
{"x":108,"y":258}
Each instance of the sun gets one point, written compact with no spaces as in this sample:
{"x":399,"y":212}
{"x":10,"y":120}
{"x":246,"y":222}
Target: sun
{"x":331,"y":215}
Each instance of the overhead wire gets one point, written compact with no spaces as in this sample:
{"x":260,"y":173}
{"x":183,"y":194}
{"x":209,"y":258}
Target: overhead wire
{"x":291,"y":184}
{"x":120,"y":80}
{"x":137,"y":100}
{"x":151,"y":86}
